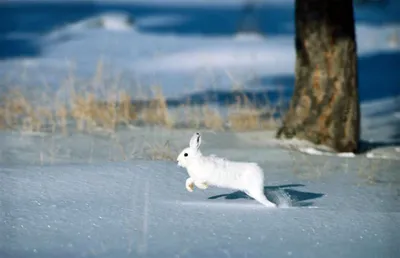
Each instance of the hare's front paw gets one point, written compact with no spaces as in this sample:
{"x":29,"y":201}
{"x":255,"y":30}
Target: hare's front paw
{"x":189,"y":184}
{"x":201,"y":185}
{"x":190,"y":187}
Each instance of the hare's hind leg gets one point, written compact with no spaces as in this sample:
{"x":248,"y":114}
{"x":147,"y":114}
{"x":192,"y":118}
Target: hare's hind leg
{"x":189,"y":184}
{"x":260,"y":197}
{"x":201,"y":185}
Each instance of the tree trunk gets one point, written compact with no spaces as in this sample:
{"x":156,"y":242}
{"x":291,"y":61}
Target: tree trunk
{"x":324,"y":108}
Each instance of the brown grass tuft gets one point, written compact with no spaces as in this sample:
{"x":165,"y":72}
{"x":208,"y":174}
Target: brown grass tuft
{"x":61,"y":118}
{"x":126,"y":111}
{"x":83,"y":112}
{"x":244,"y":120}
{"x":3,"y":123}
{"x":156,"y":113}
{"x":162,"y":152}
{"x":212,"y":119}
{"x":88,"y":113}
{"x":18,"y":111}
{"x":244,"y":116}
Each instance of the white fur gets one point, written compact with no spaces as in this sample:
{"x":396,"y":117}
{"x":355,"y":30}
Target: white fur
{"x":215,"y":171}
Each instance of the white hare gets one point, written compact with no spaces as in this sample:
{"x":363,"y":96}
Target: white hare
{"x":211,"y":170}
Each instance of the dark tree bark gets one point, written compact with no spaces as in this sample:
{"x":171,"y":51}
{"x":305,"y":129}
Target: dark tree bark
{"x":324,"y":108}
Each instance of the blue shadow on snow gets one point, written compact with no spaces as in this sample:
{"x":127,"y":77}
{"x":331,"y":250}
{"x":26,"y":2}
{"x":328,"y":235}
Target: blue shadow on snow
{"x":297,"y":198}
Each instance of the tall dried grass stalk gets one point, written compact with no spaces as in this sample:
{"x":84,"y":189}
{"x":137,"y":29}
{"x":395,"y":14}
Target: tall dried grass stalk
{"x":156,"y":113}
{"x":61,"y":118}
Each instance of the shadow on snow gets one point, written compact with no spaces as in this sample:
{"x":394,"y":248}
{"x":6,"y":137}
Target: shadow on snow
{"x":297,"y":198}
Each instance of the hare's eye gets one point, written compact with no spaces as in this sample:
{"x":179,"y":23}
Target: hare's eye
{"x":185,"y":154}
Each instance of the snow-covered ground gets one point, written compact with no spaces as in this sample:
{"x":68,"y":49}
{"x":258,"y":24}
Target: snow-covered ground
{"x":85,"y":201}
{"x":187,"y":49}
{"x":93,"y":195}
{"x":142,"y":209}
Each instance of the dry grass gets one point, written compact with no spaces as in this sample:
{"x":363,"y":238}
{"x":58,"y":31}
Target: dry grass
{"x":156,"y":113}
{"x":89,"y":114}
{"x":100,"y":105}
{"x":161,"y":152}
{"x":245,"y":116}
{"x":17,"y":112}
{"x":3,"y":124}
{"x":212,"y":118}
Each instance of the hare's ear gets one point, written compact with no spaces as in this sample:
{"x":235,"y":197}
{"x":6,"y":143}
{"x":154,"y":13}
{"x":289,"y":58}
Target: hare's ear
{"x":195,"y":141}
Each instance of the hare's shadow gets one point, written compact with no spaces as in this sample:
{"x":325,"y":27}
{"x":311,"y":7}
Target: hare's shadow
{"x":275,"y":193}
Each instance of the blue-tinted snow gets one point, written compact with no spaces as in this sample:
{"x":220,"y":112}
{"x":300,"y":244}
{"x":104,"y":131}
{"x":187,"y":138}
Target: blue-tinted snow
{"x":142,"y":209}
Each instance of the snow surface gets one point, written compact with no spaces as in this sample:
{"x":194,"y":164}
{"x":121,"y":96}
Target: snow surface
{"x":101,"y":195}
{"x":142,"y":209}
{"x":84,"y":206}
